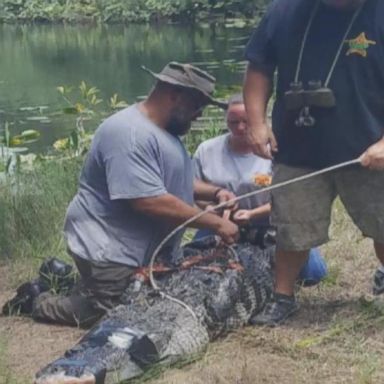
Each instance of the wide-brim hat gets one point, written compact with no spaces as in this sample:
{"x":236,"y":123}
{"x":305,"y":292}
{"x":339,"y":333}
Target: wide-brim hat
{"x":189,"y":76}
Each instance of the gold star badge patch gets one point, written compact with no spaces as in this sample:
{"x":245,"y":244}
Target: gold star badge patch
{"x":359,"y":45}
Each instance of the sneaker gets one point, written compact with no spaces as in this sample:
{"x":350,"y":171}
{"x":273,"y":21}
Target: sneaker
{"x":276,"y":311}
{"x":378,"y":282}
{"x":22,"y":303}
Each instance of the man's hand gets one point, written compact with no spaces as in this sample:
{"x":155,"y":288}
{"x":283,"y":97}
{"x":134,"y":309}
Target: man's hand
{"x":373,"y":157}
{"x":258,"y":87}
{"x":228,"y":231}
{"x":262,"y":140}
{"x":242,"y":216}
{"x":224,"y":195}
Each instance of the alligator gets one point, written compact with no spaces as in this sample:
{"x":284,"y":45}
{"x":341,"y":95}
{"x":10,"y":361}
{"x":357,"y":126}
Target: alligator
{"x":208,"y":292}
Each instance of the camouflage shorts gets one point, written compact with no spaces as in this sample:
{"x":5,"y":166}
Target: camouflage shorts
{"x":301,"y":212}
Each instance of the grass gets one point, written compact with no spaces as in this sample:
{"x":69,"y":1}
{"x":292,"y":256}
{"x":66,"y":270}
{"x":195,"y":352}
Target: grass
{"x":213,"y":128}
{"x":337,"y":337}
{"x":6,"y":376}
{"x":32,"y":210}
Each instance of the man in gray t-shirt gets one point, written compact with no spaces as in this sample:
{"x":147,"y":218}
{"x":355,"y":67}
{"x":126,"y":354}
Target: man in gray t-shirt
{"x":130,"y":158}
{"x":135,"y":187}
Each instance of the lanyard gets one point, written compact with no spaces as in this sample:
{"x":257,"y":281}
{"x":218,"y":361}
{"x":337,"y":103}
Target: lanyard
{"x":304,"y":41}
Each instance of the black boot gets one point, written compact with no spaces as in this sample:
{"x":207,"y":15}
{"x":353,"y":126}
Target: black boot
{"x":22,"y":303}
{"x":54,"y":275}
{"x":57,"y":275}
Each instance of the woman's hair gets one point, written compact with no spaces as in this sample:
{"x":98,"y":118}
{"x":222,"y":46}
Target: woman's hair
{"x":236,"y":99}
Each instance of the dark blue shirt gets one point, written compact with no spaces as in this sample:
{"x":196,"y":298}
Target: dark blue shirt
{"x":342,"y":132}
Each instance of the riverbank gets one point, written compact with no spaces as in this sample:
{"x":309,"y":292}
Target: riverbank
{"x":119,"y":11}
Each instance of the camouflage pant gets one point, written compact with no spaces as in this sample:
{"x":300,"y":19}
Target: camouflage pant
{"x":99,"y":289}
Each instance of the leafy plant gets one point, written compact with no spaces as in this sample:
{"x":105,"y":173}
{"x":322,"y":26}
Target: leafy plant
{"x":10,"y":148}
{"x":213,"y":127}
{"x":83,"y":102}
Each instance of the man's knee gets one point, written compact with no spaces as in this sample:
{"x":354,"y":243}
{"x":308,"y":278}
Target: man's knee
{"x":74,"y":310}
{"x":361,"y":191}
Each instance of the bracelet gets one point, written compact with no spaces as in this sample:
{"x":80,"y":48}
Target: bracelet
{"x":216,"y":193}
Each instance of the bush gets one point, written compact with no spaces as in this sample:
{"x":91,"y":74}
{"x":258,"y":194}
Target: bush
{"x":123,"y":11}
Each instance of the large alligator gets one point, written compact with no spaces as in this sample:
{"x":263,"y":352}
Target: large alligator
{"x":208,"y":293}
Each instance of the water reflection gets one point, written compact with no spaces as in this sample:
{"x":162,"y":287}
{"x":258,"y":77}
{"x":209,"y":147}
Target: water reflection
{"x":36,"y":59}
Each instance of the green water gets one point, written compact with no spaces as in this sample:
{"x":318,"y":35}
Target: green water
{"x":36,"y":59}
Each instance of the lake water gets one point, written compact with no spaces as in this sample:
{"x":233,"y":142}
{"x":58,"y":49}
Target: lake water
{"x":36,"y":59}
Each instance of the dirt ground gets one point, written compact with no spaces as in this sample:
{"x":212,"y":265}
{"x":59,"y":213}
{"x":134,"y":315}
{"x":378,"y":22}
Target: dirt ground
{"x":337,"y":337}
{"x":27,"y":345}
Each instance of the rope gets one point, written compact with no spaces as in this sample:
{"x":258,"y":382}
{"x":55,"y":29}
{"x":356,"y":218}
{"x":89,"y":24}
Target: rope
{"x":238,"y":198}
{"x":270,"y":188}
{"x":180,"y":302}
{"x":304,"y":42}
{"x":222,"y":205}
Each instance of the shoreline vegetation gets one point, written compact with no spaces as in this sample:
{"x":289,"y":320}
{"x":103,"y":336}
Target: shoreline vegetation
{"x":127,"y":11}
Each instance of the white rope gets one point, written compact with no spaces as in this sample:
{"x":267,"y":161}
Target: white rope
{"x":229,"y":202}
{"x":180,"y":302}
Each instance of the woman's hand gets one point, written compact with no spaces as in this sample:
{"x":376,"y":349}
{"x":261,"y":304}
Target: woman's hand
{"x":224,"y":195}
{"x":242,"y":216}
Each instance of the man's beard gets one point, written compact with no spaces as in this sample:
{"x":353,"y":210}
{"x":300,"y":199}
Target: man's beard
{"x":178,"y":126}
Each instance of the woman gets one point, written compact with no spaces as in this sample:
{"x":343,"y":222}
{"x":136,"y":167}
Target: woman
{"x":227,"y":161}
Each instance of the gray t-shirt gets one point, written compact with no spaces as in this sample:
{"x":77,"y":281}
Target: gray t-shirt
{"x":215,"y":163}
{"x":130,"y":157}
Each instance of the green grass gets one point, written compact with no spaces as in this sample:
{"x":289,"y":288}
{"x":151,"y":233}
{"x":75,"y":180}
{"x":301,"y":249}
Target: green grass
{"x":32,"y":209}
{"x":214,"y":128}
{"x":337,"y":337}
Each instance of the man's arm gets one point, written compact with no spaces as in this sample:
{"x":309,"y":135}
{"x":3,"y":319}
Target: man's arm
{"x":257,"y":92}
{"x":203,"y":204}
{"x":203,"y":191}
{"x":173,"y":210}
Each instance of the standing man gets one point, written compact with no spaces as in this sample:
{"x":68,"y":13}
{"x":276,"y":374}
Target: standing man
{"x":135,"y":187}
{"x":329,"y":108}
